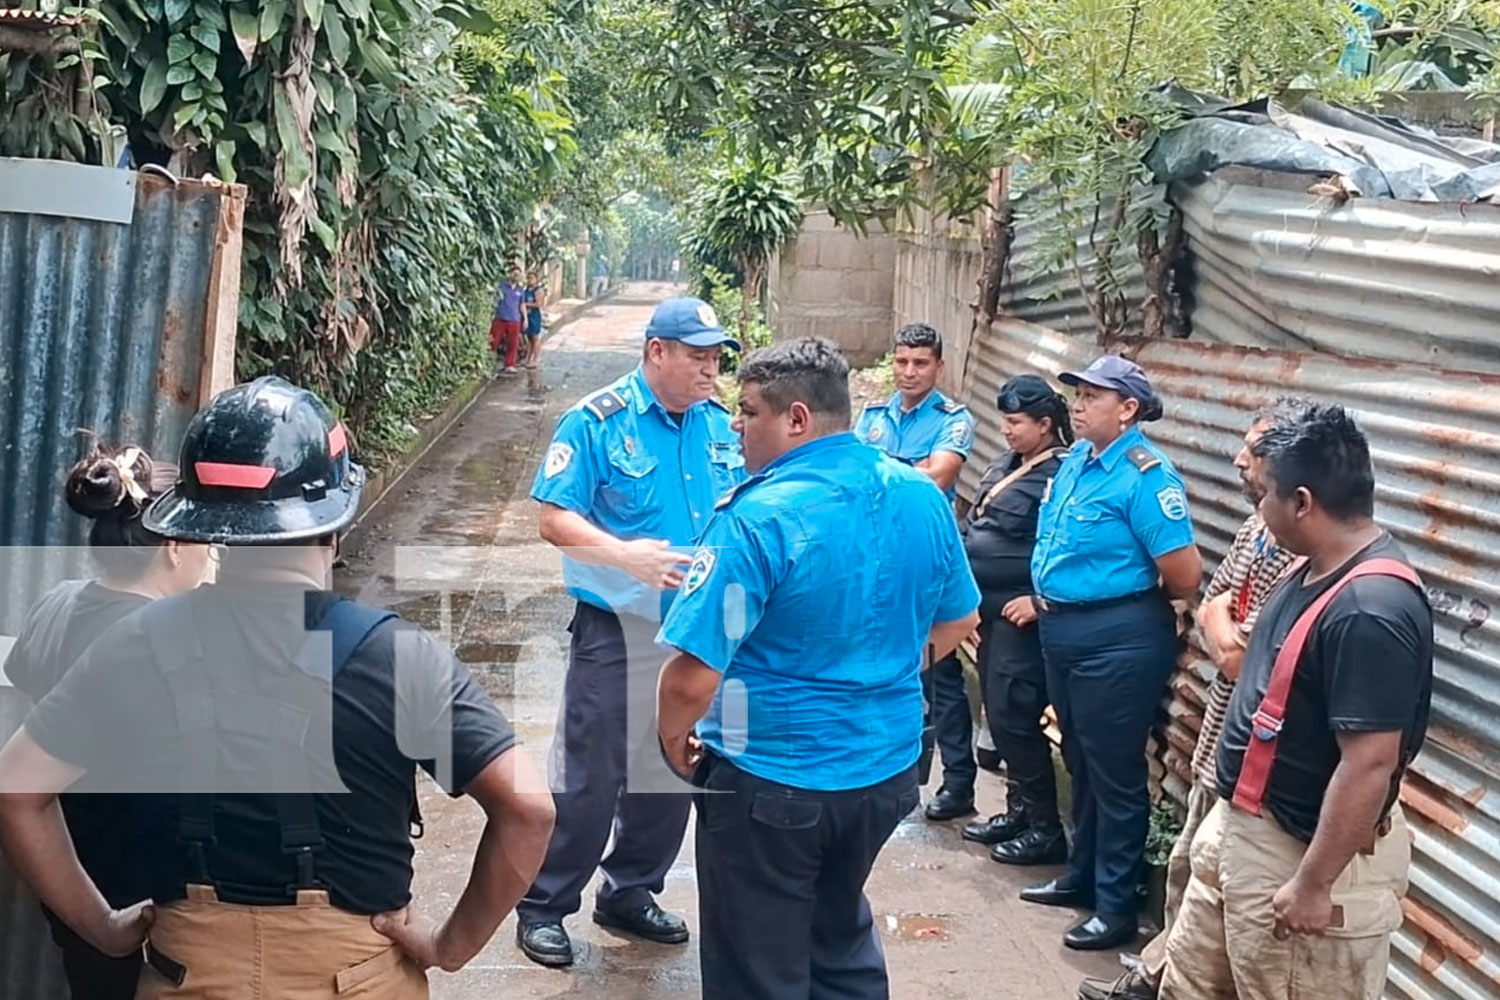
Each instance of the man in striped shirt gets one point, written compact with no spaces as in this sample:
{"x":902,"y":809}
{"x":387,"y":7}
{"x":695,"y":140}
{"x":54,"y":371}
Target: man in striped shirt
{"x":1251,"y":570}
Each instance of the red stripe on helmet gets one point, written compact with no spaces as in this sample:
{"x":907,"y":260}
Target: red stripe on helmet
{"x":242,"y":477}
{"x":337,"y":441}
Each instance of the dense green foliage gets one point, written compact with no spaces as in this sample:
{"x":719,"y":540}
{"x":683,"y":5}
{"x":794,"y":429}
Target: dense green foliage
{"x":744,"y":213}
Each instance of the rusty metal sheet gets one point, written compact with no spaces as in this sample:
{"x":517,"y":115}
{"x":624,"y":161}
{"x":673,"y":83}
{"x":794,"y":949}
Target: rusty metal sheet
{"x":1273,"y":266}
{"x":101,"y":327}
{"x":1038,"y":291}
{"x":1435,"y":440}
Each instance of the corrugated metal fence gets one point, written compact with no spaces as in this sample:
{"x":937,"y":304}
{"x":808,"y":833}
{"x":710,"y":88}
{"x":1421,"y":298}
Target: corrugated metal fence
{"x":1393,"y":310}
{"x":122,"y":327}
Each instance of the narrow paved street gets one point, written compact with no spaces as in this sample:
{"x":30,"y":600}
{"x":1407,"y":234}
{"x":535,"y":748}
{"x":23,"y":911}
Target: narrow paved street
{"x":453,"y":546}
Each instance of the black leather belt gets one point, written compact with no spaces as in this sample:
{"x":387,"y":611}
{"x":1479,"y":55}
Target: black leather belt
{"x":1060,"y":607}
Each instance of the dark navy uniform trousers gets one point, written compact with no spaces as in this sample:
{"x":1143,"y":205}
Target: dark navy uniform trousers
{"x":606,"y":734}
{"x":1107,"y":670}
{"x":1015,"y":696}
{"x":781,"y":879}
{"x":952,"y":723}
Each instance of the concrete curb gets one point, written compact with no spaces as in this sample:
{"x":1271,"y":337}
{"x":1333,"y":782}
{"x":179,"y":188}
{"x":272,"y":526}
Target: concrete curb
{"x":381,"y":483}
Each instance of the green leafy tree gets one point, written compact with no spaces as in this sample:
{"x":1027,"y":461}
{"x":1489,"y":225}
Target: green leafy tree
{"x":746,"y":213}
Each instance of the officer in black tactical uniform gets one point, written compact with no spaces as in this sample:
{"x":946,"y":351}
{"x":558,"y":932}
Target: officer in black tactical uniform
{"x":269,"y":732}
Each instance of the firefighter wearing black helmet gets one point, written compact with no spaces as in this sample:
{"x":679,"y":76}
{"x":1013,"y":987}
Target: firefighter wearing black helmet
{"x":268,"y":733}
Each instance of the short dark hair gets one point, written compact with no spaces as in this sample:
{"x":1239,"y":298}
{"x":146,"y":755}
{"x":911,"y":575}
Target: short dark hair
{"x":920,"y":335}
{"x":1323,"y":451}
{"x":1281,"y":410}
{"x":809,"y":370}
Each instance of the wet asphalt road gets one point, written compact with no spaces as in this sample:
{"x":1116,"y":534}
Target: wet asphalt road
{"x":453,"y":546}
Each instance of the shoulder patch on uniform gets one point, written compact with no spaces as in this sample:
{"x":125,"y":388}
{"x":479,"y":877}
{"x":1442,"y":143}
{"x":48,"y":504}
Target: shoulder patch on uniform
{"x":558,"y":457}
{"x":605,"y":404}
{"x":1142,"y":458}
{"x":716,"y":401}
{"x":951,"y":406}
{"x":876,"y":404}
{"x":703,"y":565}
{"x":1173,"y":503}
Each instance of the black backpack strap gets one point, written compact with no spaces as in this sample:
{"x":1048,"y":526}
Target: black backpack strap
{"x":349,"y":625}
{"x":178,"y":649}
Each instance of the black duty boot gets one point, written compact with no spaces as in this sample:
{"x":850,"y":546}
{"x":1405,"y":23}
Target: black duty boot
{"x":1034,"y":847}
{"x":545,"y":942}
{"x":999,"y":828}
{"x":647,"y":921}
{"x":947,"y":805}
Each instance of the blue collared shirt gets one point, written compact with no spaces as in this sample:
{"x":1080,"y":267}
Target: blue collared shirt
{"x":1104,"y":522}
{"x":636,"y":472}
{"x":814,"y":592}
{"x":937,"y":423}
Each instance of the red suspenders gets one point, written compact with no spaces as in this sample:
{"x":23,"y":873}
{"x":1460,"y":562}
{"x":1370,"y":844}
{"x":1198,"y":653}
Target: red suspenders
{"x":1265,"y":725}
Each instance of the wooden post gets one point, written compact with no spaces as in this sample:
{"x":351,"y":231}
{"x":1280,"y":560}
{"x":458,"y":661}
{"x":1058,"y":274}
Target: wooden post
{"x":222,"y":315}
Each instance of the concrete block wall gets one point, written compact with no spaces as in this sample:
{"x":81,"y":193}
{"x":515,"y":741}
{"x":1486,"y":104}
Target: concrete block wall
{"x":831,"y":282}
{"x":938,"y":266}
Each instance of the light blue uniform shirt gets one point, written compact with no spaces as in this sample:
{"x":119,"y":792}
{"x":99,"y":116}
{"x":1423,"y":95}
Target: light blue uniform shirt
{"x":619,"y":459}
{"x":814,"y":593}
{"x":936,"y":424}
{"x":1105,"y":521}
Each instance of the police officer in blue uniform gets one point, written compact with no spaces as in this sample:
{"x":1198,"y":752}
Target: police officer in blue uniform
{"x":627,"y":486}
{"x":1114,"y":547}
{"x":809,"y":741}
{"x":927,"y":430}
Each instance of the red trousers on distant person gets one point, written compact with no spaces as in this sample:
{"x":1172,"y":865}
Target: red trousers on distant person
{"x":507,"y":331}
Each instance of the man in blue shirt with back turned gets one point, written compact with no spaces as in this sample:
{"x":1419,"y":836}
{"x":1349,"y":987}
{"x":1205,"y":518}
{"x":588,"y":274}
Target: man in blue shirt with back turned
{"x":930,"y":432}
{"x":627,"y":486}
{"x":801,"y":630}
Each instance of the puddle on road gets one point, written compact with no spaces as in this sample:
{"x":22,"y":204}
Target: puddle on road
{"x":917,"y":926}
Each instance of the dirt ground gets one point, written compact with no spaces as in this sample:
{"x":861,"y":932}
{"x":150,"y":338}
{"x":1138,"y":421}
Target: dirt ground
{"x":453,"y":546}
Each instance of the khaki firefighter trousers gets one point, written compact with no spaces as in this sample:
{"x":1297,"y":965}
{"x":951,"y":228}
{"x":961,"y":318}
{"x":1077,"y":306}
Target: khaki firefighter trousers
{"x":1221,"y":946}
{"x":202,"y":949}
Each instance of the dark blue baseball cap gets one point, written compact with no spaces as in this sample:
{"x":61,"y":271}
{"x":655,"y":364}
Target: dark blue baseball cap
{"x":691,"y":321}
{"x":1119,"y":375}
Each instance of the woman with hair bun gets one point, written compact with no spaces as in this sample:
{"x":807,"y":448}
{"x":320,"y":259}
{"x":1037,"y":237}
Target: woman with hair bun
{"x":133,"y":566}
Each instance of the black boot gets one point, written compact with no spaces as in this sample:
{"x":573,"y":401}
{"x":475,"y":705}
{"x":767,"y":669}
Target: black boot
{"x":946,"y":805}
{"x":1036,"y":846}
{"x":999,"y":828}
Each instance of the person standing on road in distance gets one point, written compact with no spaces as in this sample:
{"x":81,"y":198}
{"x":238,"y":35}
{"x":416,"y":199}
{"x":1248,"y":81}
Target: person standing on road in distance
{"x":924,"y":428}
{"x":272,"y":768}
{"x":999,"y":535}
{"x":1251,"y":570}
{"x":534,"y":298}
{"x":1114,"y":548}
{"x":799,"y":636}
{"x":134,"y":567}
{"x":627,"y":486}
{"x":1299,"y":870}
{"x":510,"y":315}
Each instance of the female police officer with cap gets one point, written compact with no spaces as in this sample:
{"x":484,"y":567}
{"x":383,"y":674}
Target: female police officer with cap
{"x":999,"y":534}
{"x":1114,"y":545}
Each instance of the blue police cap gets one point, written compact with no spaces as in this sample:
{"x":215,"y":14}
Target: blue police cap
{"x":1119,"y":375}
{"x":691,"y":321}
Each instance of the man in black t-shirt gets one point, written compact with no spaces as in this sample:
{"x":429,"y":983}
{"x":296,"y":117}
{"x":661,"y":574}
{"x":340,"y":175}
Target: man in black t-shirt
{"x":1298,"y":872}
{"x":266,"y":734}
